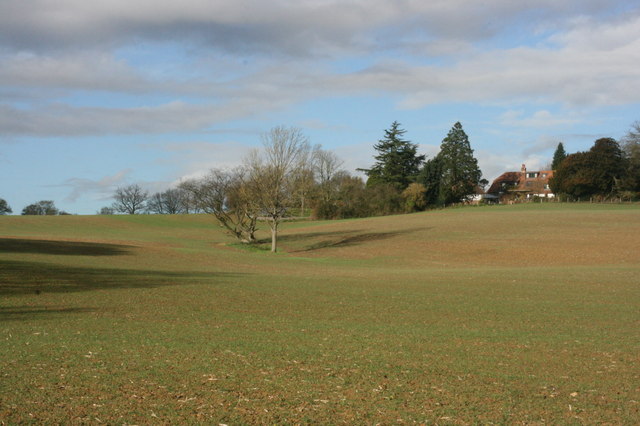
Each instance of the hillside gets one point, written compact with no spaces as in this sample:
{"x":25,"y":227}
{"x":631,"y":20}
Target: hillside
{"x":523,"y":313}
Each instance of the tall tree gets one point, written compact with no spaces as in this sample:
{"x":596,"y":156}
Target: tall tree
{"x":4,"y":207}
{"x":608,"y":165}
{"x":397,"y":162}
{"x":130,"y":199}
{"x":41,"y":208}
{"x":273,"y":172}
{"x":459,"y":168}
{"x":558,"y":156}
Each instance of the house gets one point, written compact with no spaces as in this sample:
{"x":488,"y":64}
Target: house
{"x":522,"y":185}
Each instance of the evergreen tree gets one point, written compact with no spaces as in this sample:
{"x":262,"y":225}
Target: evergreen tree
{"x":459,"y":168}
{"x":430,"y":177}
{"x":558,"y":156}
{"x":397,"y":162}
{"x":608,"y":165}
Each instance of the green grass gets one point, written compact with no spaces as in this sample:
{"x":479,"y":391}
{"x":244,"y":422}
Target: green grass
{"x":501,"y":314}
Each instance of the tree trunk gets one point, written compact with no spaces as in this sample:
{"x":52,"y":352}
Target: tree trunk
{"x":274,"y":237}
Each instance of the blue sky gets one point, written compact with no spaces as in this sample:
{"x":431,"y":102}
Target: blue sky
{"x":96,"y":95}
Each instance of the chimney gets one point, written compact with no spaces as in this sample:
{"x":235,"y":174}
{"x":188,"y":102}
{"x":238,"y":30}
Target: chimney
{"x":523,"y":169}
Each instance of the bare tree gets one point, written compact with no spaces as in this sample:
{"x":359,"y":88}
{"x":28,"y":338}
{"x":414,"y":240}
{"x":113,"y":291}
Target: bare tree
{"x":171,"y":201}
{"x":272,"y":174}
{"x":303,"y":186}
{"x":222,"y":193}
{"x":130,"y":199}
{"x":326,"y":165}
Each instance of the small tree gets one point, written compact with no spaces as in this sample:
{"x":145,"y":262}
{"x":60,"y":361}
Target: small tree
{"x":271,"y":182}
{"x":415,"y":197}
{"x":430,"y":177}
{"x":223,"y":194}
{"x":130,"y":199}
{"x":303,"y":186}
{"x":397,"y":162}
{"x":558,"y":156}
{"x":383,"y":199}
{"x":348,"y":198}
{"x":41,"y":208}
{"x":4,"y":207}
{"x":326,"y":166}
{"x":106,"y":211}
{"x":171,"y":201}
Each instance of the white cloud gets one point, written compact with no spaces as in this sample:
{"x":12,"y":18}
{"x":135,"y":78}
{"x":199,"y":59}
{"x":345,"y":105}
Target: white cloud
{"x":539,"y":119}
{"x":592,"y":63}
{"x":287,"y":26}
{"x":101,"y":189}
{"x":87,"y":71}
{"x":64,"y":120}
{"x":193,"y":159}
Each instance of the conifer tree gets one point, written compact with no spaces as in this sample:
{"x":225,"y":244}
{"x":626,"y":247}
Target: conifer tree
{"x":459,"y":168}
{"x":430,"y":177}
{"x":397,"y":162}
{"x":558,"y":156}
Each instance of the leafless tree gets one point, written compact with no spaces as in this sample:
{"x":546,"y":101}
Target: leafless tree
{"x":130,"y":199}
{"x":631,"y":141}
{"x":171,"y":201}
{"x":303,"y":186}
{"x":272,"y":172}
{"x":222,"y":193}
{"x":326,"y":165}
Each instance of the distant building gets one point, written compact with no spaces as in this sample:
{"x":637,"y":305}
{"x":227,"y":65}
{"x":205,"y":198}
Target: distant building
{"x":523,"y":185}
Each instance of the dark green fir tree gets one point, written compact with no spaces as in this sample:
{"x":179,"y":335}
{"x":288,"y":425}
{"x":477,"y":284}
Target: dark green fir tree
{"x":558,"y":156}
{"x":460,"y":173}
{"x":397,"y":162}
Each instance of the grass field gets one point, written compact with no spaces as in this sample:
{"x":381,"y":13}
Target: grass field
{"x":507,"y":314}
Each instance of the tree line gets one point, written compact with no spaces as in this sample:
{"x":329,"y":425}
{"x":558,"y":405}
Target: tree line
{"x":607,"y":170}
{"x":40,"y":208}
{"x":288,"y":178}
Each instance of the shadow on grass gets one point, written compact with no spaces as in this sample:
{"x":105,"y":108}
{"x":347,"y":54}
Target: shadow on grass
{"x":17,"y":277}
{"x":341,"y":238}
{"x":19,"y":313}
{"x":15,"y":245}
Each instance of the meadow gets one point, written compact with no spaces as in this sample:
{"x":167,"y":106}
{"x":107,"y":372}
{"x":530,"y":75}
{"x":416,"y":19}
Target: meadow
{"x":503,"y":314}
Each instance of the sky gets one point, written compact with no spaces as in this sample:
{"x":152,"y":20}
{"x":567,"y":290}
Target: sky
{"x":104,"y":93}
